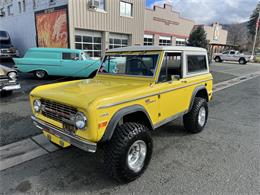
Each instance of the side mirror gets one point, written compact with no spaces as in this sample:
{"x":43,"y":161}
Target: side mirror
{"x":76,"y":58}
{"x":175,"y":77}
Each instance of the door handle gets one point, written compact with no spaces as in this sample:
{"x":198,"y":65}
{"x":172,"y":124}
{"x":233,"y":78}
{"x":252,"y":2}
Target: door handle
{"x":184,"y":81}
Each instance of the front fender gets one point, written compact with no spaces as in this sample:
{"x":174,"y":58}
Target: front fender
{"x":118,"y":115}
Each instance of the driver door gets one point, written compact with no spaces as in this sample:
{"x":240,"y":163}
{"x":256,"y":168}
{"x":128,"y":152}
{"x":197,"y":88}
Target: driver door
{"x":173,"y":99}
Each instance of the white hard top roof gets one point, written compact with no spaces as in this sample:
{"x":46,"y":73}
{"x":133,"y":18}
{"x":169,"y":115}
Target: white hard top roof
{"x":158,"y":48}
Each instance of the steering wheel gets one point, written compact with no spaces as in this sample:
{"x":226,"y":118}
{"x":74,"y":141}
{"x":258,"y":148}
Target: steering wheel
{"x":145,"y":70}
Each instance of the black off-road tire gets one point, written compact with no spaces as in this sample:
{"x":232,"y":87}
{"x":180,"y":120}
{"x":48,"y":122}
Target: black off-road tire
{"x":218,"y":59}
{"x":190,"y":120}
{"x":116,"y":151}
{"x":242,"y":61}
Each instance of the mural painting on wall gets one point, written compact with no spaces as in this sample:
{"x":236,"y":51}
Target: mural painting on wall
{"x":52,"y":27}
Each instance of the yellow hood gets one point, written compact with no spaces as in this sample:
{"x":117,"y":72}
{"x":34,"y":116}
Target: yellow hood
{"x":83,"y":92}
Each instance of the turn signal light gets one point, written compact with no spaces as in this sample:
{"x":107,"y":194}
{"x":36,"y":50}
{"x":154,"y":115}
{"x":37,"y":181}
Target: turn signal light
{"x":102,"y":124}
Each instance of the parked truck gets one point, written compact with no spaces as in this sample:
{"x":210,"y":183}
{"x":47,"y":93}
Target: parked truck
{"x":7,"y":50}
{"x":231,"y":55}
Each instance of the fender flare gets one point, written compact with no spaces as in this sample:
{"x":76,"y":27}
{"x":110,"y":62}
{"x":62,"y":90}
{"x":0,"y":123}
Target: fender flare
{"x":118,"y":115}
{"x":194,"y":93}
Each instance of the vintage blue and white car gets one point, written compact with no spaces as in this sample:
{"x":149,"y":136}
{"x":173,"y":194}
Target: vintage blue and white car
{"x":57,"y":62}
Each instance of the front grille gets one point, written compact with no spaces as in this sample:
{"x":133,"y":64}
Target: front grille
{"x":58,"y":112}
{"x":6,"y":51}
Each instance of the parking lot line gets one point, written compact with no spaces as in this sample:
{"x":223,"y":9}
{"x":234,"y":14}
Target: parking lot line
{"x":25,"y":150}
{"x":19,"y":152}
{"x":235,"y":81}
{"x":34,"y":147}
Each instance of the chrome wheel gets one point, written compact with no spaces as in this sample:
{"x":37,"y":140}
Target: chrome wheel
{"x":40,"y":74}
{"x":202,"y":116}
{"x":136,"y":156}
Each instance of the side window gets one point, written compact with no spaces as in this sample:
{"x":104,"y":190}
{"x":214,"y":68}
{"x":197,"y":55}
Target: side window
{"x":70,"y":56}
{"x":226,"y":52}
{"x":196,"y":63}
{"x":172,"y":66}
{"x":232,"y":52}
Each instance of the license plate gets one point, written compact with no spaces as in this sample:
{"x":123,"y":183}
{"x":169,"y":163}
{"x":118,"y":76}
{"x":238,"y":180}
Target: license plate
{"x":55,"y":139}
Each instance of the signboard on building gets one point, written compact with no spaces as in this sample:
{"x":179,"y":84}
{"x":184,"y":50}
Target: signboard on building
{"x":52,"y":27}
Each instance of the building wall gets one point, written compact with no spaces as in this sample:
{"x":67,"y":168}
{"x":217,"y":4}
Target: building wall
{"x":108,"y":21}
{"x":216,"y":35}
{"x":163,"y":21}
{"x":21,"y":26}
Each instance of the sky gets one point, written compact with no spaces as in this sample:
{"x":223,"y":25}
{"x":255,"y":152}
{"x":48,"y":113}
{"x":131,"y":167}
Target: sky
{"x":209,"y":11}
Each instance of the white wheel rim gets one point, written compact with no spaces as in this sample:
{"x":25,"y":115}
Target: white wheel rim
{"x":136,"y":156}
{"x":40,"y":74}
{"x":202,"y":116}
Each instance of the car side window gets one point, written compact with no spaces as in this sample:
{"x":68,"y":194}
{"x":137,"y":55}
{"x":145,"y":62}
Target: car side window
{"x":232,"y":52}
{"x":172,"y":66}
{"x":70,"y":56}
{"x":196,"y":63}
{"x":226,"y":52}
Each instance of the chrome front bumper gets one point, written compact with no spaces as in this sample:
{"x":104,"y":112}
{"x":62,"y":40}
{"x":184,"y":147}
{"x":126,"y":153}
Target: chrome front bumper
{"x":11,"y":87}
{"x":72,"y":139}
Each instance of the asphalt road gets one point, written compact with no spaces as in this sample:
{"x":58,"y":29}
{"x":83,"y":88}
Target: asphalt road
{"x":223,"y":159}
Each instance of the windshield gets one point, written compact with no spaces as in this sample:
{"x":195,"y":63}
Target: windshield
{"x":141,"y":65}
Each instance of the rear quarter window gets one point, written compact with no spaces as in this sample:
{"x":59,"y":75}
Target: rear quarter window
{"x":196,"y":63}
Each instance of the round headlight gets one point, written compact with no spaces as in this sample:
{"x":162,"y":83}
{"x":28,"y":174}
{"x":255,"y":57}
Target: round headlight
{"x":12,"y":75}
{"x":80,"y":120}
{"x":37,"y":105}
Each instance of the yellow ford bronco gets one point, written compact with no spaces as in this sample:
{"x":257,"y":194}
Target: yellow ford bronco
{"x":136,"y":90}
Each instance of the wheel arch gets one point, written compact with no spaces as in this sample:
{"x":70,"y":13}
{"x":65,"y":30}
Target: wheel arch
{"x":135,"y":113}
{"x":199,"y":91}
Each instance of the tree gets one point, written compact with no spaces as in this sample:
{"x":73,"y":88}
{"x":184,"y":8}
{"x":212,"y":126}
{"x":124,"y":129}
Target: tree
{"x":252,"y":22}
{"x":237,"y":35}
{"x":198,"y":38}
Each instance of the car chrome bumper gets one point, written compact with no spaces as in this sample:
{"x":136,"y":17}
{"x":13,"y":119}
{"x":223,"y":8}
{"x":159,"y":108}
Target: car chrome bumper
{"x":11,"y":87}
{"x":75,"y":141}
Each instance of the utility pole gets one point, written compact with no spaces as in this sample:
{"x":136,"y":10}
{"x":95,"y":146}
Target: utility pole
{"x":256,"y":32}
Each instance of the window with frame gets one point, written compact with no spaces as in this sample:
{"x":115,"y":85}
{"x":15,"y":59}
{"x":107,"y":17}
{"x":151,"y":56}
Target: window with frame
{"x":126,"y":9}
{"x":180,"y":43}
{"x":165,"y":42}
{"x":232,"y":53}
{"x":148,"y":40}
{"x":117,"y":42}
{"x":196,"y":63}
{"x":101,"y":5}
{"x":90,"y":44}
{"x":171,"y":66}
{"x":70,"y":56}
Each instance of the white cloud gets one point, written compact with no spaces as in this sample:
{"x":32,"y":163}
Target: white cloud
{"x":208,"y":11}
